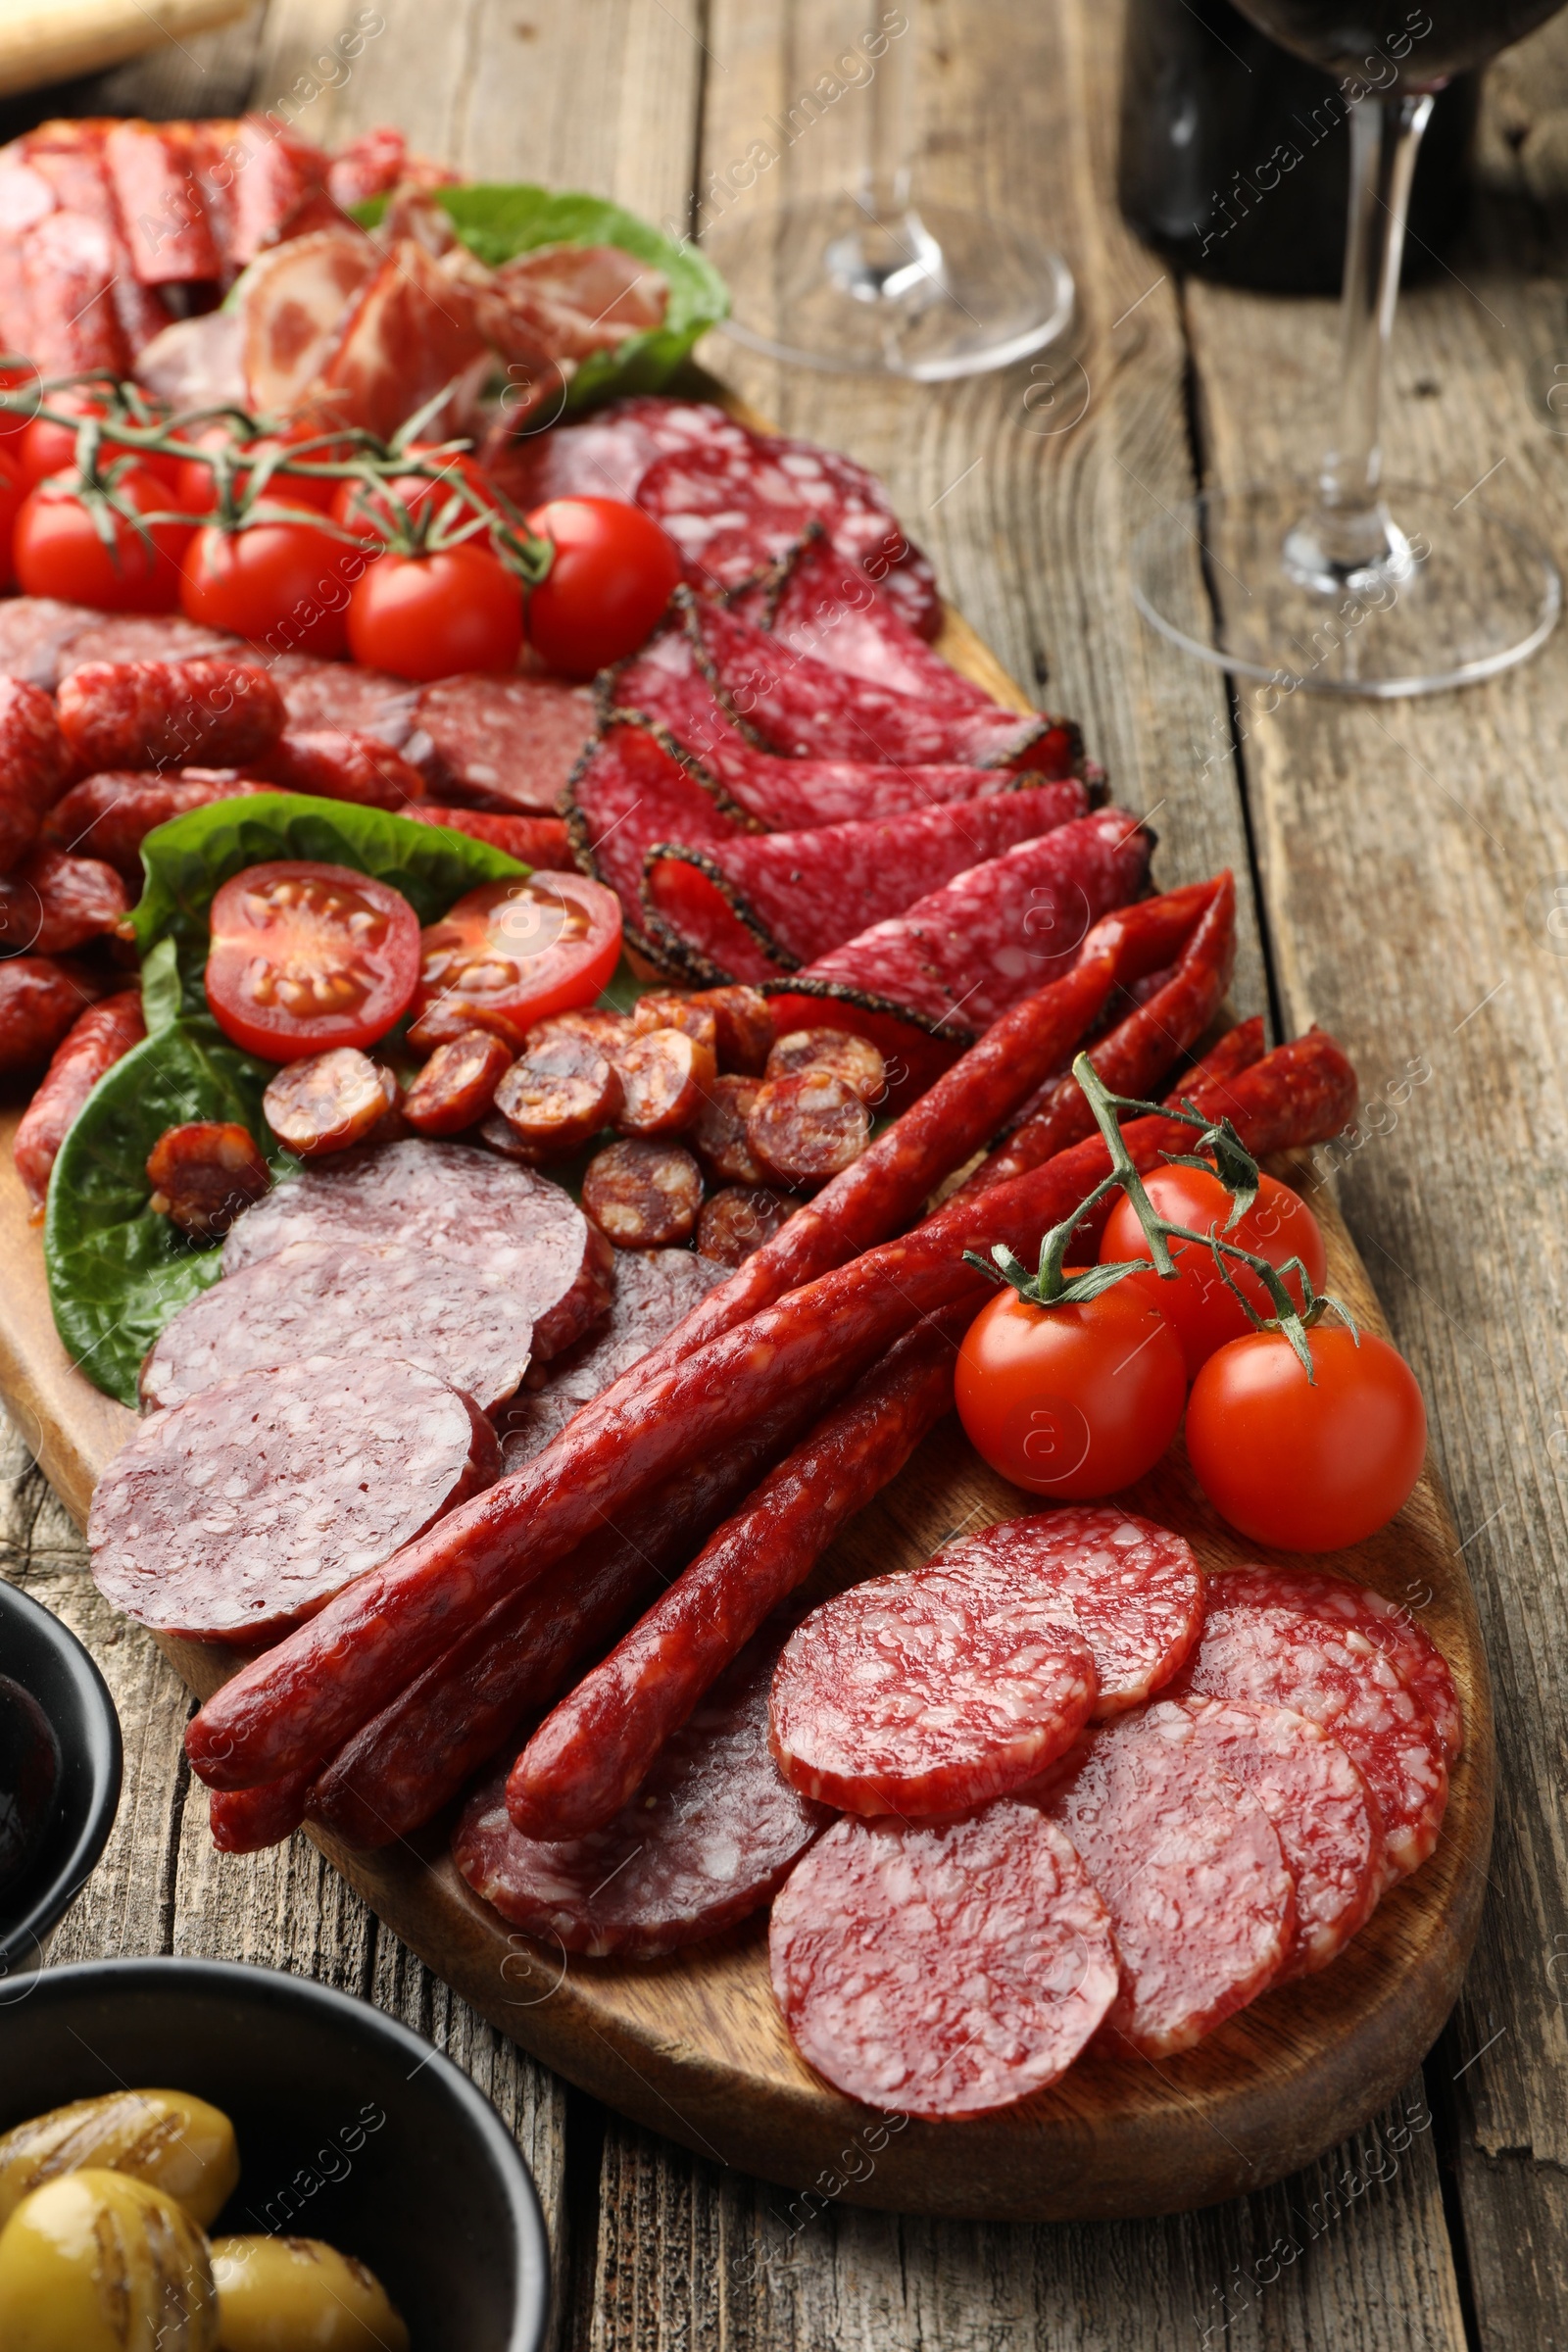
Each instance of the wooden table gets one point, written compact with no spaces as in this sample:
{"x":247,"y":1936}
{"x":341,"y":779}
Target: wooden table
{"x":1397,"y":865}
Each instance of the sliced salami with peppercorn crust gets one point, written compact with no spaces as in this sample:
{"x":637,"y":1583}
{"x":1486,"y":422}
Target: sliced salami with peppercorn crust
{"x":1191,"y":1870}
{"x":1409,"y":1649}
{"x":708,"y":1837}
{"x":239,"y":1514}
{"x":926,"y":1694}
{"x":822,"y":604}
{"x":627,"y":794}
{"x":1323,"y":1813}
{"x":942,"y":1969}
{"x":1335,"y":1677}
{"x":1133,"y":1590}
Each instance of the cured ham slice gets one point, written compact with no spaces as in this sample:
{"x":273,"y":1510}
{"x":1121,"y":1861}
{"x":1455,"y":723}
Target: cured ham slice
{"x":412,"y":331}
{"x":293,"y":307}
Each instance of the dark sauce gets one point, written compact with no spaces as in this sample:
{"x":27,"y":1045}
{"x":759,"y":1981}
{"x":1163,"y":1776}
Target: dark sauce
{"x":29,"y":1780}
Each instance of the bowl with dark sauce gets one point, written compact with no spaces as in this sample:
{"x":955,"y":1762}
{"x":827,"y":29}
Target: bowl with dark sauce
{"x":60,"y":1761}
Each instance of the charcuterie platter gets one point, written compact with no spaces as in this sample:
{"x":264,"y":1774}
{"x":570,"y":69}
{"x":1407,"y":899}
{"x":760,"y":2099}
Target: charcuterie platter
{"x":377,"y":1198}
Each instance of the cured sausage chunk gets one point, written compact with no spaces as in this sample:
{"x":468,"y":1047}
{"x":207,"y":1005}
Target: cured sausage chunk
{"x":837,"y":1051}
{"x":665,"y":1074}
{"x":456,"y":1085}
{"x":610,"y":1031}
{"x":738,"y":1220}
{"x":39,"y":1000}
{"x":924,"y":1695}
{"x":328,"y":1101}
{"x":1322,"y":1811}
{"x":673,"y":1011}
{"x":94,"y":1043}
{"x":808,"y":1128}
{"x":719,"y":1131}
{"x":1191,"y":1870}
{"x":456,"y":1202}
{"x":239,"y":1514}
{"x":560,"y":1092}
{"x":35,"y":764}
{"x":644,"y":1195}
{"x":53,"y":902}
{"x":319,"y":1298}
{"x":205,"y":1174}
{"x":1133,"y":1590}
{"x":707,"y":1838}
{"x":1409,"y":1649}
{"x":744,"y":1026}
{"x":243,"y":1821}
{"x":111,"y":816}
{"x":1335,"y":1677}
{"x":209,"y":712}
{"x":944,"y":1969}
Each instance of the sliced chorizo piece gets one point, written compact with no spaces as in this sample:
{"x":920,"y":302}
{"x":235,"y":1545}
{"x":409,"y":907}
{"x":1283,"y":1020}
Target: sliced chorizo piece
{"x":327,"y":1101}
{"x":743,"y":1025}
{"x":319,"y":1298}
{"x":96,"y":1040}
{"x":668,"y":1008}
{"x":236,"y":1515}
{"x":498,"y":1135}
{"x":52,"y":902}
{"x":458,"y":1084}
{"x":1133,"y":1590}
{"x":558,"y":1093}
{"x":708,"y":1837}
{"x":808,"y":1128}
{"x":1191,"y":1870}
{"x":838,"y":1052}
{"x":740,"y":1220}
{"x":717,"y":1134}
{"x":942,"y":1969}
{"x":40,"y":997}
{"x":610,"y":1031}
{"x":209,"y":712}
{"x":1407,"y":1645}
{"x":644,"y":1195}
{"x":665,"y":1074}
{"x":925,"y":1694}
{"x":205,"y":1174}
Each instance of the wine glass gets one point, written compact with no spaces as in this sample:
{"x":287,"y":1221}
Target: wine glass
{"x":1355,"y":584}
{"x":865,"y":279}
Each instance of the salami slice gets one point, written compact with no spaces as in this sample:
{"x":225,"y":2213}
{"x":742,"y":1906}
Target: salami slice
{"x":827,"y":605}
{"x":1324,"y":1816}
{"x":753,"y":908}
{"x":926,"y":1694}
{"x":503,"y":743}
{"x":145,"y":637}
{"x":456,"y":1202}
{"x":708,"y":1837}
{"x":629,"y":794}
{"x":655,"y":1289}
{"x":1133,"y":1590}
{"x":608,"y":454}
{"x":341,"y":694}
{"x":1191,"y":1870}
{"x":942,"y":1969}
{"x":36,"y":634}
{"x":448,"y":1315}
{"x":239,"y":1514}
{"x":1334,"y":1675}
{"x":1409,"y":1649}
{"x":955,"y":961}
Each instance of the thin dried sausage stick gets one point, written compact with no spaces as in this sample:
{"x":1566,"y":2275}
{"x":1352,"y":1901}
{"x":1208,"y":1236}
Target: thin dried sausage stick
{"x":94,"y":1043}
{"x":110,"y":816}
{"x":40,"y":997}
{"x":207,"y":712}
{"x":35,"y":766}
{"x":243,"y":1821}
{"x":311,"y":1693}
{"x":53,"y":902}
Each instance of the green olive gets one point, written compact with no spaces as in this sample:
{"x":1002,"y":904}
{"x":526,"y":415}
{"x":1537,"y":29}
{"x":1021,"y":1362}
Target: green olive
{"x":293,"y":2294}
{"x":97,"y":2262}
{"x":165,"y":2137}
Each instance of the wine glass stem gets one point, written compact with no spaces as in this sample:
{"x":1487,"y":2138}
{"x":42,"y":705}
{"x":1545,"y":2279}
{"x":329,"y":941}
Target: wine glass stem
{"x":1385,"y":136}
{"x":892,"y":130}
{"x":890,"y":258}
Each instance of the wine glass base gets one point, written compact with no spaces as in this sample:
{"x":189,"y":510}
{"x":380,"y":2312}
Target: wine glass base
{"x":947,"y":293}
{"x":1463,"y":596}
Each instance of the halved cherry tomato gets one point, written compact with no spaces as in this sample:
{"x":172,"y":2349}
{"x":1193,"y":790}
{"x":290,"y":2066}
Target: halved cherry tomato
{"x":1071,"y":1401}
{"x":286,"y":584}
{"x":429,"y":617}
{"x":510,"y":954}
{"x":52,"y":448}
{"x":1203,"y":1313}
{"x":306,"y":956}
{"x":613,"y":572}
{"x":196,"y":490}
{"x":373,"y":506}
{"x":1306,"y":1465}
{"x":58,"y":551}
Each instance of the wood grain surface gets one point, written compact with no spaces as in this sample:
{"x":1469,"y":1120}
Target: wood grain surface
{"x":1444,"y":2226}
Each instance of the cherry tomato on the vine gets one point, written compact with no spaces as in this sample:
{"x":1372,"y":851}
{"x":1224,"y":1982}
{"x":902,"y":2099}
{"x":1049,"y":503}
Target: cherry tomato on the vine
{"x":428,"y":616}
{"x":306,"y":956}
{"x":1306,"y":1465}
{"x":48,"y":448}
{"x":196,"y":486}
{"x":613,"y":572}
{"x":373,"y":506}
{"x":58,"y":551}
{"x":510,"y":954}
{"x":1203,"y":1313}
{"x":1071,"y":1401}
{"x":286,"y":584}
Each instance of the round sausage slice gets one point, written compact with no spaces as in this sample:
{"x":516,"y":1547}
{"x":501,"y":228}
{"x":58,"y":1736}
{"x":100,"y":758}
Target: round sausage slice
{"x":738,"y":1220}
{"x":719,"y":1131}
{"x":838,"y":1053}
{"x":458,"y":1084}
{"x":204,"y":1173}
{"x":327,"y":1101}
{"x":806,"y":1128}
{"x":1408,"y":1648}
{"x":664,"y":1075}
{"x":562,"y":1091}
{"x":644,"y":1195}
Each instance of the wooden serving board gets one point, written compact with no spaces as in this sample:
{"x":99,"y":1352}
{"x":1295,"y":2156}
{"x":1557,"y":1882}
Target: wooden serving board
{"x":692,"y":2045}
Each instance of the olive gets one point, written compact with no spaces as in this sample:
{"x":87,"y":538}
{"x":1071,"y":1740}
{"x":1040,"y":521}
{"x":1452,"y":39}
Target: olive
{"x":97,"y":2262}
{"x":165,"y":2138}
{"x":293,"y":2294}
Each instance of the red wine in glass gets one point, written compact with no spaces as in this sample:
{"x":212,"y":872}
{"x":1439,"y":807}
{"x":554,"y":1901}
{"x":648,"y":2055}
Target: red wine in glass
{"x":1428,"y":45}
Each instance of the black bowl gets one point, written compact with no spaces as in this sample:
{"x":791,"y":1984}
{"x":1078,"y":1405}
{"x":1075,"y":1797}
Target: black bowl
{"x":54,"y":1671}
{"x":351,"y":2128}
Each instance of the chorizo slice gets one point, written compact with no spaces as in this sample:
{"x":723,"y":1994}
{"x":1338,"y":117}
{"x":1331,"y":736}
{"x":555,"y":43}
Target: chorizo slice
{"x":612,"y":1031}
{"x":644,"y":1195}
{"x":808,"y":1128}
{"x":210,"y":711}
{"x":458,"y":1084}
{"x":740,"y":1220}
{"x":53,"y":902}
{"x":664,"y":1075}
{"x":669,"y":1009}
{"x":838,"y":1052}
{"x":561,"y":1091}
{"x":328,"y":1101}
{"x":717,"y":1134}
{"x":205,"y":1174}
{"x":744,"y":1022}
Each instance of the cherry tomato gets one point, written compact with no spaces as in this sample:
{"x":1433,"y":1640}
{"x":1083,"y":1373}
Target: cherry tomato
{"x":306,"y":957}
{"x":285,"y":584}
{"x":1279,"y":1226}
{"x":614,"y":570}
{"x":52,"y":448}
{"x":196,"y":485}
{"x":1306,"y":1465}
{"x":58,"y":551}
{"x":1071,"y":1401}
{"x":510,"y":954}
{"x":373,"y":506}
{"x":12,"y":491}
{"x":428,"y":616}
